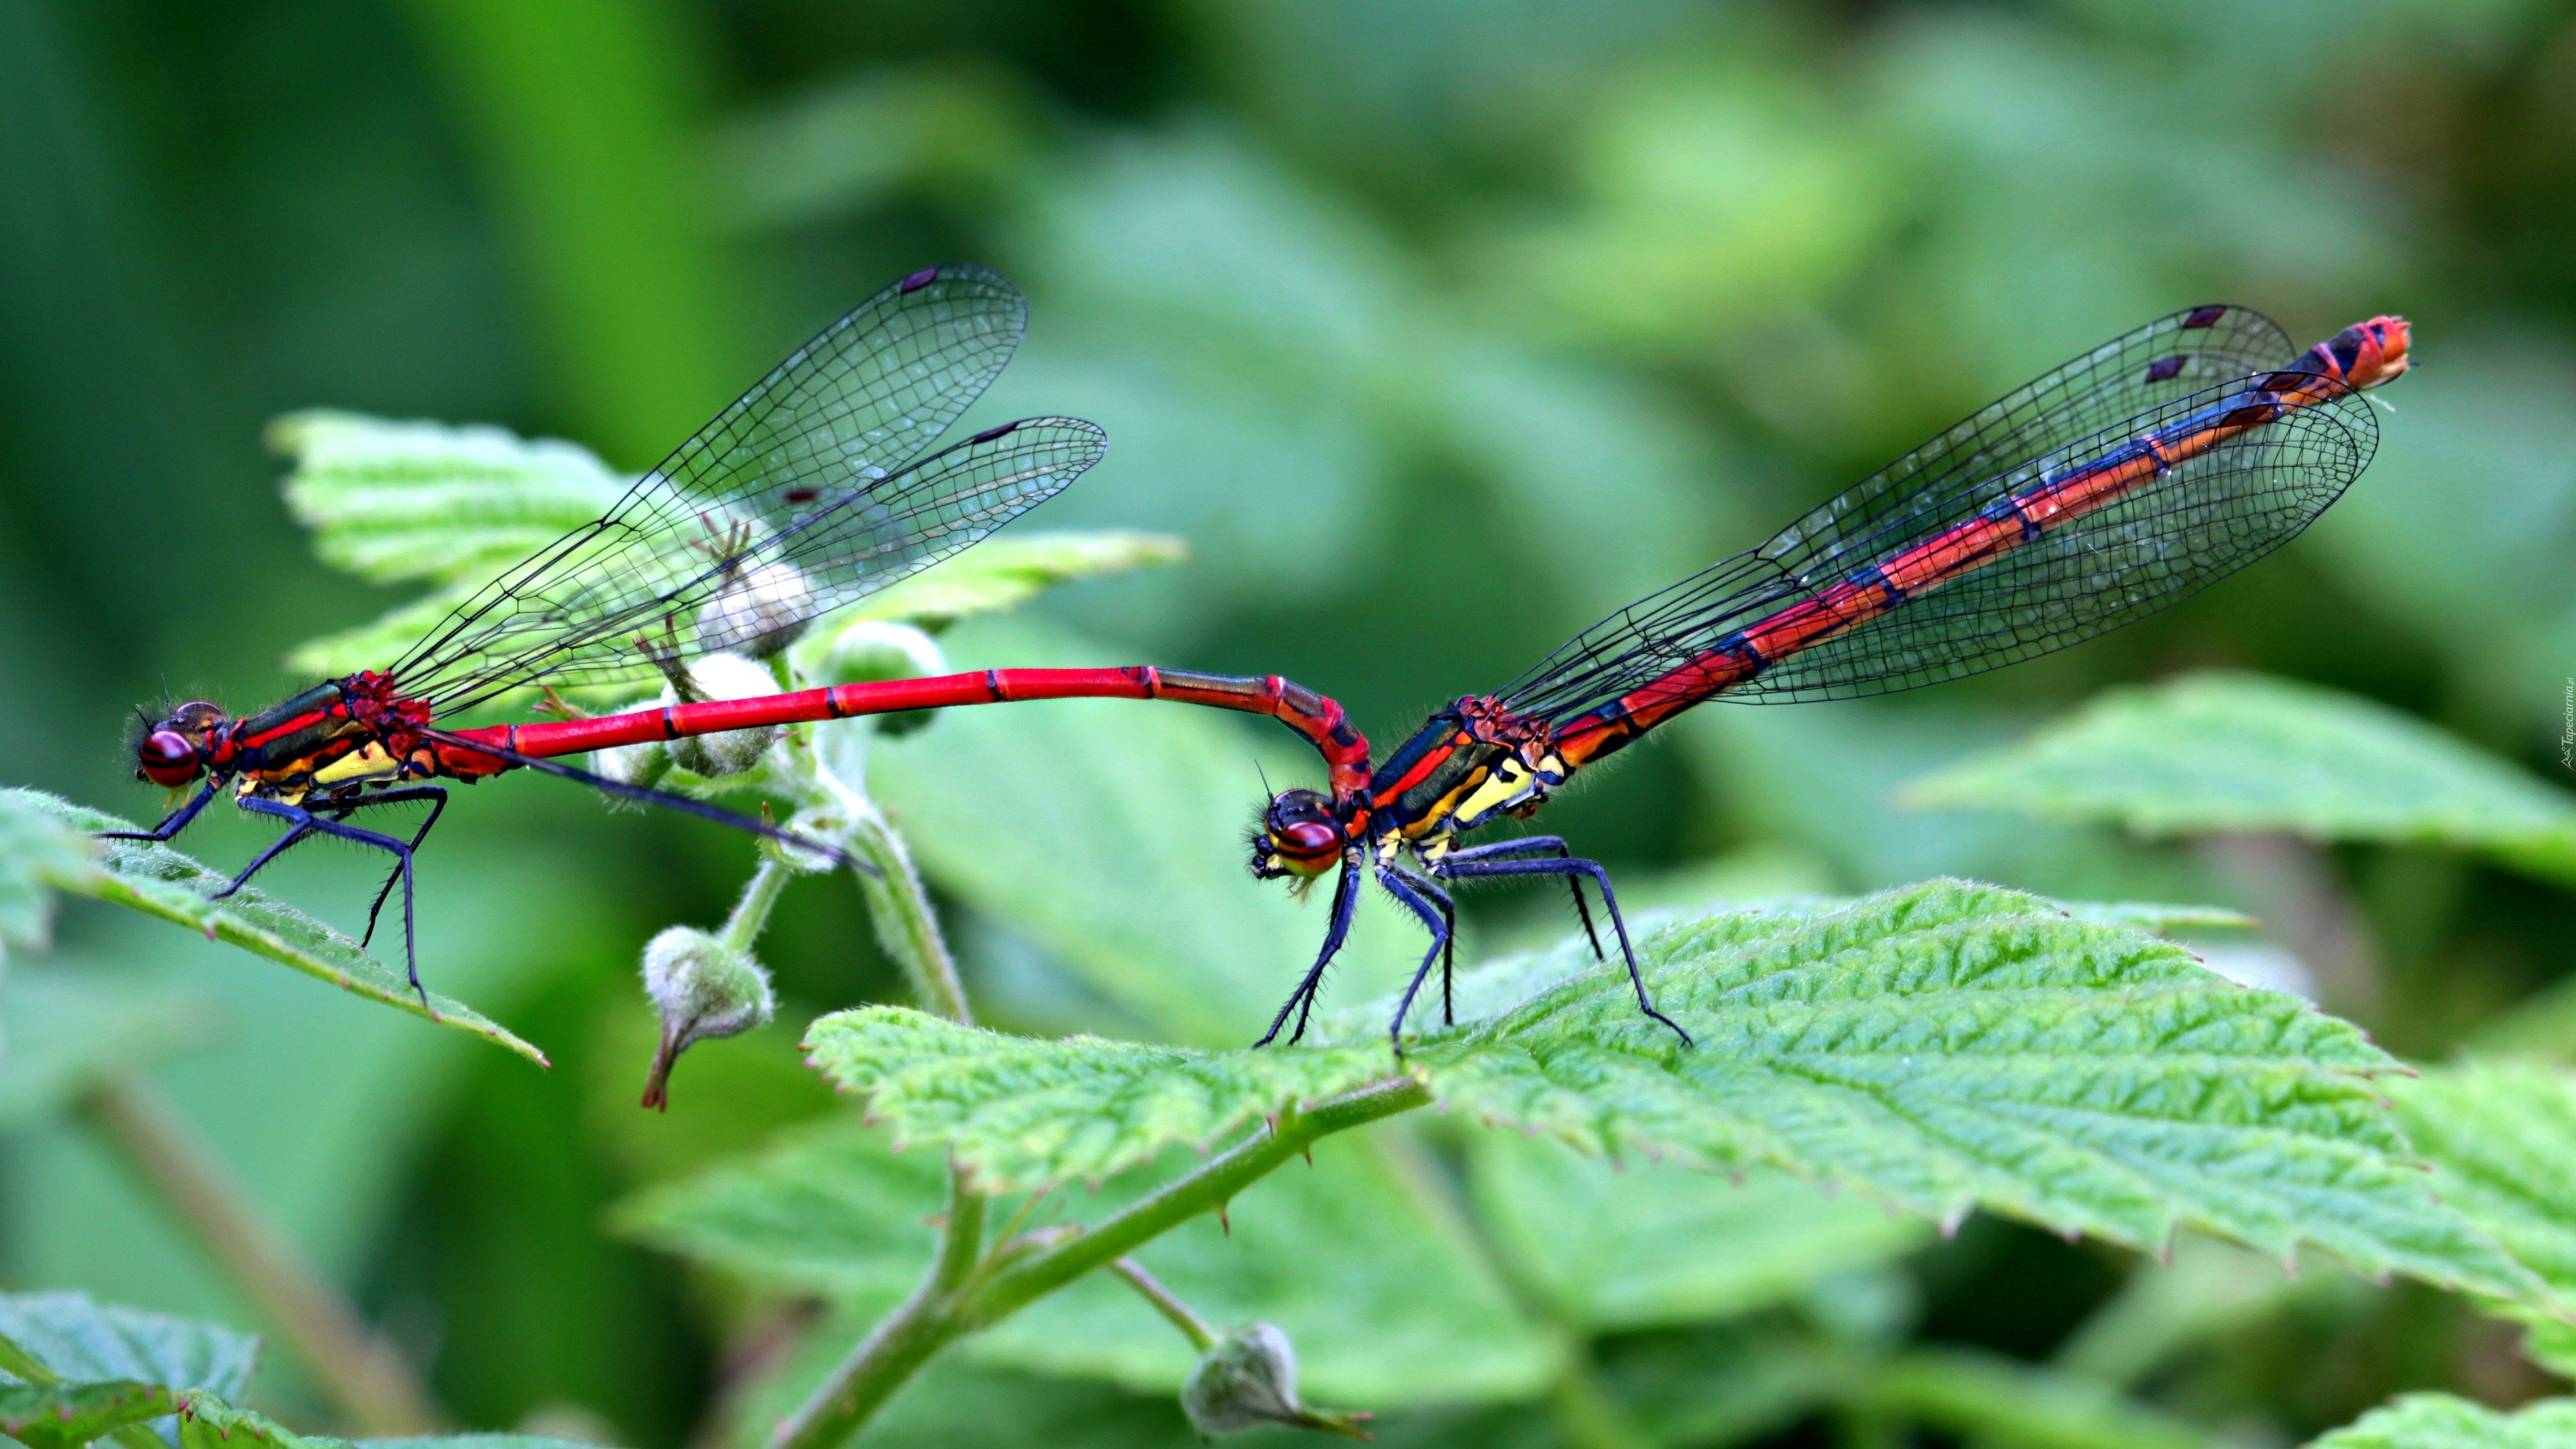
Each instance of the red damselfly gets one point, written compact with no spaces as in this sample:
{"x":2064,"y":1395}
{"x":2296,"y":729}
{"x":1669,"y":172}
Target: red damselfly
{"x":2106,"y":490}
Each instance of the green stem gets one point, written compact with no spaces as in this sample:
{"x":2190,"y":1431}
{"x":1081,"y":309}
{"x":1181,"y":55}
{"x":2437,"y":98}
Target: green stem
{"x":1981,"y":1396}
{"x":751,"y":913}
{"x":950,"y":1304}
{"x":1211,"y":1186}
{"x":363,"y":1373}
{"x":901,"y":909}
{"x":1167,"y":1303}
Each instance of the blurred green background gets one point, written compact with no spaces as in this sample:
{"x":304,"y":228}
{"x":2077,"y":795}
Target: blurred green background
{"x":1437,"y":330}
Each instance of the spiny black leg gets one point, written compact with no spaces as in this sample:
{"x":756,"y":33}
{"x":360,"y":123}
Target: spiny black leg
{"x":1448,"y":939}
{"x":1345,"y":900}
{"x":436,"y":795}
{"x":1542,"y":845}
{"x":276,"y":848}
{"x":401,"y":852}
{"x":175,"y":822}
{"x":1451,"y":868}
{"x":1413,"y":901}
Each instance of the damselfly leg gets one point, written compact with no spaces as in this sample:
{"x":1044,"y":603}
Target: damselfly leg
{"x":1541,"y":845}
{"x":1345,"y":900}
{"x":176,"y":821}
{"x":1398,"y":884}
{"x":1453,"y":868}
{"x":306,"y":823}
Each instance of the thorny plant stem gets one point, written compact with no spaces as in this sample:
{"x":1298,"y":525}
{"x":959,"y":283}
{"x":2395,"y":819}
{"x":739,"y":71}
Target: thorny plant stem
{"x":1167,"y":1303}
{"x":365,"y":1375}
{"x":905,"y":1339}
{"x":1010,"y":1279}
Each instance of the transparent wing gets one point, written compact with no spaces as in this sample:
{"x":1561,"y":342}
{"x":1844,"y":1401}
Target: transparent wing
{"x":2141,"y":551}
{"x":795,"y":475}
{"x":751,"y":589}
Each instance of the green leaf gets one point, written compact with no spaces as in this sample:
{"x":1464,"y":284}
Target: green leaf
{"x":1938,"y":1047}
{"x":1002,"y":573}
{"x":1356,"y":1257}
{"x":1948,"y":1045}
{"x":206,"y":1421}
{"x":2238,"y":753}
{"x":1023,"y":1115}
{"x":66,"y":1416}
{"x":1659,"y":1245}
{"x":159,"y":881}
{"x":63,"y":1032}
{"x":39,"y":855}
{"x":2500,"y":1137}
{"x":2440,"y":1421}
{"x":82,"y":1341}
{"x":824,"y":1208}
{"x":402,"y":502}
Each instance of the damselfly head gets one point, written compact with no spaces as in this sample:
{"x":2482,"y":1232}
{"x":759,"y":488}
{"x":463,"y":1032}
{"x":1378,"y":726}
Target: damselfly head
{"x":1297,"y":836}
{"x":171,"y":752}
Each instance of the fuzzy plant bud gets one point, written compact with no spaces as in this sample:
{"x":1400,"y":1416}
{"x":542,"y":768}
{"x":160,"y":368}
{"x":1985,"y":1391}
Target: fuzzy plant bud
{"x":879,"y":649}
{"x":701,"y":989}
{"x":724,"y":676}
{"x":758,"y":612}
{"x":1249,"y":1378}
{"x":643,"y":765}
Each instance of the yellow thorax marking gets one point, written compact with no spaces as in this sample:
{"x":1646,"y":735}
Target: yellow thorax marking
{"x":1513,"y":782}
{"x":368,"y":762}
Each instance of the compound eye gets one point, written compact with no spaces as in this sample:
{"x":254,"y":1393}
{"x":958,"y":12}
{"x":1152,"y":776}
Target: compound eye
{"x":1308,"y":837}
{"x":166,"y":758}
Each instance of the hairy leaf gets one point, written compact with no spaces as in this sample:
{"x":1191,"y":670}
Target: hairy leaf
{"x":2500,"y":1137}
{"x":1653,"y":1246}
{"x":1948,"y":1045}
{"x":1939,"y":1047}
{"x":2440,"y":1421}
{"x":2239,"y":753}
{"x":1022,"y":1114}
{"x":63,"y":1032}
{"x":395,"y":502}
{"x":68,"y":1415}
{"x":84,"y":1341}
{"x":39,"y":855}
{"x":159,"y":881}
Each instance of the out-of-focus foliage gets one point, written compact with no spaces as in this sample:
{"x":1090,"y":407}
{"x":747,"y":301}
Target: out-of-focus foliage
{"x":1435,"y":332}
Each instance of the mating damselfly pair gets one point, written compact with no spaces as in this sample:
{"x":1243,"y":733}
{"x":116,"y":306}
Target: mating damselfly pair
{"x":2107,"y":489}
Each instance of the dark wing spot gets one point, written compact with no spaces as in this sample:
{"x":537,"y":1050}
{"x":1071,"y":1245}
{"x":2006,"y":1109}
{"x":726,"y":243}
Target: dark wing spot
{"x":989,"y":434}
{"x":2163,"y":367}
{"x":2204,"y":316}
{"x":918,"y":280}
{"x":801,"y":495}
